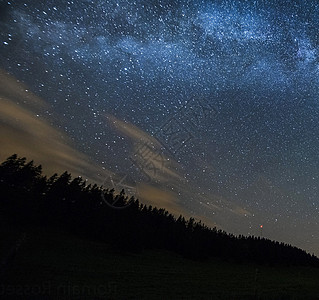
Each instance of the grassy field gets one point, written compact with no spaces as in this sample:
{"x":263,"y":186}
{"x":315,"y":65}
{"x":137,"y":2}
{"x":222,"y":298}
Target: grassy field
{"x":54,"y":265}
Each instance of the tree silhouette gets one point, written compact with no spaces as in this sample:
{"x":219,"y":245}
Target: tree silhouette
{"x":30,"y":198}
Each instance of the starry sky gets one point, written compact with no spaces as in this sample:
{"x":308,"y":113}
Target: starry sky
{"x":207,"y":108}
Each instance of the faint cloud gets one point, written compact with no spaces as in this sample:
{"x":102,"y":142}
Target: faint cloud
{"x":24,"y":131}
{"x":147,"y":154}
{"x":240,"y":211}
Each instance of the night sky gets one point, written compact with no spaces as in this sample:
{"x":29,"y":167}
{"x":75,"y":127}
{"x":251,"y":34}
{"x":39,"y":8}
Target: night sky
{"x":207,"y":108}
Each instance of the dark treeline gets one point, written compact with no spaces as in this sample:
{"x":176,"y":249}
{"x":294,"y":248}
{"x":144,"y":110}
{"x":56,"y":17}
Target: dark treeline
{"x":31,"y":199}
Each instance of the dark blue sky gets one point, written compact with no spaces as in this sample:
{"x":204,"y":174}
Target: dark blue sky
{"x":210,"y":107}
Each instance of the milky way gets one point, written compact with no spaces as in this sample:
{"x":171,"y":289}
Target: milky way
{"x":238,"y":80}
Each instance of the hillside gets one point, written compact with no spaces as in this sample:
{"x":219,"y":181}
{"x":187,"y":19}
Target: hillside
{"x":51,"y":264}
{"x":58,"y":229}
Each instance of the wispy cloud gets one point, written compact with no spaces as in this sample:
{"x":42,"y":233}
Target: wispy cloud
{"x":159,"y":197}
{"x":25,"y":132}
{"x":147,"y":153}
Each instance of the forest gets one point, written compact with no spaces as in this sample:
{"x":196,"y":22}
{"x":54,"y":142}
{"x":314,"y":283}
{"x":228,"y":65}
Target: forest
{"x":30,"y":198}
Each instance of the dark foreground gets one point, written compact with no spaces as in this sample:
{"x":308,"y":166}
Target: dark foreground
{"x":51,"y":264}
